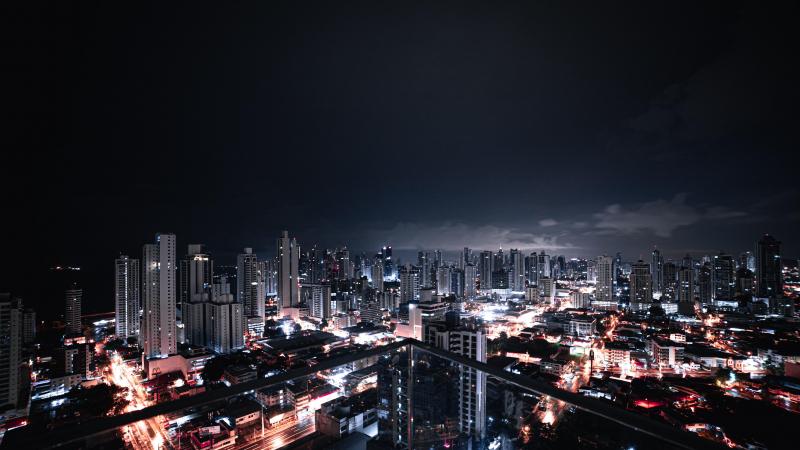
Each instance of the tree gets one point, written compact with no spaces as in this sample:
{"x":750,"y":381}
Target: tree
{"x":214,"y":368}
{"x":100,"y":399}
{"x":114,"y":344}
{"x":323,"y":324}
{"x":297,"y":328}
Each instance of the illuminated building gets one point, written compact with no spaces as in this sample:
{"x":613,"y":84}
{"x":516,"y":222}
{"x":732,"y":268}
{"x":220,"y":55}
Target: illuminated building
{"x":605,"y":279}
{"x":470,"y":281}
{"x":158,"y":333}
{"x":485,"y":268}
{"x":769,"y":278}
{"x":517,"y":271}
{"x":127,"y":299}
{"x":641,"y":285}
{"x":288,"y":280}
{"x":10,"y":349}
{"x":377,"y":276}
{"x":657,"y":271}
{"x":409,"y":283}
{"x":251,"y":287}
{"x":723,"y":281}
{"x":72,"y":314}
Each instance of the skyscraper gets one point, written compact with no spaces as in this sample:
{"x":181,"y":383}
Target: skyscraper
{"x":158,"y":333}
{"x":769,"y":278}
{"x":724,"y":277}
{"x":377,"y":276}
{"x":605,"y":279}
{"x":288,"y":283}
{"x":641,"y":283}
{"x":409,"y":283}
{"x":470,"y":281}
{"x":224,"y":323}
{"x":126,"y":296}
{"x":657,"y":270}
{"x":517,"y":267}
{"x":72,"y":313}
{"x":532,"y":269}
{"x":10,"y":349}
{"x":251,"y":285}
{"x":485,"y":269}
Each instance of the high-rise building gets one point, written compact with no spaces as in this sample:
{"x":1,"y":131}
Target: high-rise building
{"x":319,"y":303}
{"x":517,"y":266}
{"x":769,"y":277}
{"x":724,"y":277}
{"x":543,"y":265}
{"x":641,"y":283}
{"x":126,"y":296}
{"x":28,"y":326}
{"x":377,"y":276}
{"x":409,"y":283}
{"x":470,"y":281}
{"x":288,"y":283}
{"x":224,"y":323}
{"x":10,"y":349}
{"x":158,"y":332}
{"x":604,"y":291}
{"x":685,"y":290}
{"x":485,"y":269}
{"x":705,"y":286}
{"x":444,"y":280}
{"x":657,"y":270}
{"x":251,"y":285}
{"x":532,"y":269}
{"x":469,"y":342}
{"x":72,"y":313}
{"x":669,"y":280}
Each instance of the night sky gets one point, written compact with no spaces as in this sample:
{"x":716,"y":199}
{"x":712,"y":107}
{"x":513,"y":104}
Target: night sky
{"x":579,"y":128}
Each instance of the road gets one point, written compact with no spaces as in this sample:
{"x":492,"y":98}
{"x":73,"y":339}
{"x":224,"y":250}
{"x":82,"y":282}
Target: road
{"x":281,"y":436}
{"x":145,"y":434}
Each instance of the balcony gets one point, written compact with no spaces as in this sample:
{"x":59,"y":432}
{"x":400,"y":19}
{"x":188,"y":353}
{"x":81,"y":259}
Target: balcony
{"x":403,"y":395}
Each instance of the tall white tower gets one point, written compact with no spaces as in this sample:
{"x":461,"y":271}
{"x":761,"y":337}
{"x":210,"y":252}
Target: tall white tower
{"x":158,"y":332}
{"x":127,"y":297}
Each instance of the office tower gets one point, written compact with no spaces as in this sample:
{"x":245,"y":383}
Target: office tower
{"x":377,"y":276}
{"x":158,"y":332}
{"x":604,"y":291}
{"x":10,"y":349}
{"x":72,"y":314}
{"x":409,"y":283}
{"x":288,"y":283}
{"x":685,"y":290}
{"x":470,"y":281}
{"x":466,"y":257}
{"x":657,"y":270}
{"x":443,"y":280}
{"x":517,"y":271}
{"x":126,"y":296}
{"x":641,"y":283}
{"x":705,"y":287}
{"x":723,"y":274}
{"x":224,"y":321}
{"x":251,"y":285}
{"x":319,"y":303}
{"x":769,"y":278}
{"x":485,"y":269}
{"x":197,"y":273}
